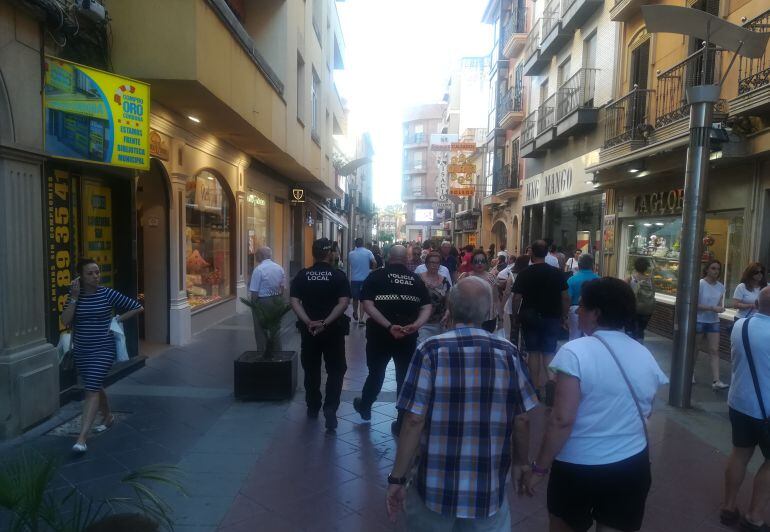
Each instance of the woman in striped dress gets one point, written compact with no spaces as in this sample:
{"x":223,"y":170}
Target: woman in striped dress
{"x":89,"y":311}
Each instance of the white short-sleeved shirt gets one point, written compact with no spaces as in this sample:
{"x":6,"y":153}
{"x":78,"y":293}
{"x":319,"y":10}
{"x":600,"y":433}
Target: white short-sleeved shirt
{"x":744,"y":295}
{"x":268,"y":279}
{"x":742,"y":396}
{"x":443,"y":271}
{"x":709,"y":295}
{"x":607,"y":428}
{"x":552,"y":260}
{"x":572,"y":265}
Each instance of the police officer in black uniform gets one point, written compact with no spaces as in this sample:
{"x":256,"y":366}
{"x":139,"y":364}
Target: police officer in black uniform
{"x":319,"y":297}
{"x":398,"y":305}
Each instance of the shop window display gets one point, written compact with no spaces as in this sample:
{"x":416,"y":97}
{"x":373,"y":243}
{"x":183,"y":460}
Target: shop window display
{"x":256,"y":226}
{"x":207,"y":241}
{"x":658,"y":239}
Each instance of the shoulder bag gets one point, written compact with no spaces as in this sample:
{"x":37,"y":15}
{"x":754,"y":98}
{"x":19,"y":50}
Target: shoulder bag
{"x":765,"y":432}
{"x":630,"y":388}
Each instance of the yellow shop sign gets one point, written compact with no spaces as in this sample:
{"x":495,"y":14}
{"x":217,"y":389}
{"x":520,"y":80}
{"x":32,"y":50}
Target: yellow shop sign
{"x":95,"y":116}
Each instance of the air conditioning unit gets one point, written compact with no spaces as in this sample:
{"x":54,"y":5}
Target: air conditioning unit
{"x":92,"y":9}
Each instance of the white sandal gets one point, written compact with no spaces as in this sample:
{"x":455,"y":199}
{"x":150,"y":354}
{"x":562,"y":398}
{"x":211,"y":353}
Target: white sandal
{"x":104,"y":426}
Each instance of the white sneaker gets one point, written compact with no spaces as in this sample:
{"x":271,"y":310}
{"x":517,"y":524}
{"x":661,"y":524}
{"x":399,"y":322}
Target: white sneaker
{"x":79,"y":447}
{"x":719,"y":385}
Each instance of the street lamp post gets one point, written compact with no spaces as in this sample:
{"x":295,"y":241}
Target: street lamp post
{"x":714,"y":31}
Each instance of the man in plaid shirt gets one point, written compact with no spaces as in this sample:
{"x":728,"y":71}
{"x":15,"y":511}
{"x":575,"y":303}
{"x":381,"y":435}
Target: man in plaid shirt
{"x":463,"y":390}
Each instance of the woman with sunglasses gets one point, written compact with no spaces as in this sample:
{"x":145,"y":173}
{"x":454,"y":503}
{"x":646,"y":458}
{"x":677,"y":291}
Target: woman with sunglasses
{"x":479,"y":263}
{"x":438,"y":287}
{"x":746,"y":294}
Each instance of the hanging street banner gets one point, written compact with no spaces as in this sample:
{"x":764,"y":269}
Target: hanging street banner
{"x":462,"y":172}
{"x":92,"y":115}
{"x":442,"y":144}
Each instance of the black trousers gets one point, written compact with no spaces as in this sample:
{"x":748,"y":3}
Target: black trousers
{"x":331,"y":347}
{"x":378,"y":354}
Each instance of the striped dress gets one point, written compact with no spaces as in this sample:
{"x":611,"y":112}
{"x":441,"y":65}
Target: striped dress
{"x":93,"y":342}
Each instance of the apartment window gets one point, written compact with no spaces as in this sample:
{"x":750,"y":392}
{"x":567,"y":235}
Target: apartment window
{"x":317,"y":18}
{"x":315,"y":89}
{"x":419,"y":133}
{"x":589,"y":51}
{"x":562,"y":74}
{"x":543,"y":91}
{"x":300,"y":89}
{"x":418,"y":162}
{"x":417,"y":185}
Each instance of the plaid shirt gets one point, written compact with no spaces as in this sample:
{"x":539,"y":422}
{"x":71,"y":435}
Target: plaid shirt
{"x":469,"y":385}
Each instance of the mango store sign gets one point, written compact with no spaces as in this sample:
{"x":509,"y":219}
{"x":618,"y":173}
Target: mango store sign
{"x":562,"y":181}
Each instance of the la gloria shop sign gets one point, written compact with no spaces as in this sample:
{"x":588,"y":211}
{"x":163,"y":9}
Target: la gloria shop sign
{"x":568,"y":179}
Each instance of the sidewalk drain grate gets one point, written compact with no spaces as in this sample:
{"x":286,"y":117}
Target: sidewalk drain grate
{"x":71,"y":427}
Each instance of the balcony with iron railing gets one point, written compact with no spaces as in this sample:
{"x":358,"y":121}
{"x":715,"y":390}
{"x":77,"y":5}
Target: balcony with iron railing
{"x":574,"y":13}
{"x":546,"y":116}
{"x":627,"y":120}
{"x":754,"y":75}
{"x":528,"y":130}
{"x":514,"y":32}
{"x":671,"y":109}
{"x":510,"y":108}
{"x":555,"y":36}
{"x":575,"y":109}
{"x":534,"y":61}
{"x":506,"y":181}
{"x":625,"y":10}
{"x":415,"y":138}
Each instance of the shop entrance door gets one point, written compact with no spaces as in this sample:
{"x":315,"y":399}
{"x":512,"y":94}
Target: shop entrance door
{"x":152,"y":256}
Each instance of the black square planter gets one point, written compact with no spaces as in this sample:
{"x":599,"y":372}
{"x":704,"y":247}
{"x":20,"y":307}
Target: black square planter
{"x":257,"y":379}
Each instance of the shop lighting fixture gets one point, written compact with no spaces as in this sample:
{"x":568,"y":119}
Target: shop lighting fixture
{"x":194,"y":119}
{"x":659,"y":224}
{"x":648,"y":225}
{"x":589,"y":181}
{"x":634,"y":170}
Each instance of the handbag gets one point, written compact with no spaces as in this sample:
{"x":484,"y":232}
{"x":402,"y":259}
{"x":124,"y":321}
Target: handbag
{"x":66,"y":352}
{"x":120,"y":339}
{"x":765,"y":433}
{"x":630,"y":389}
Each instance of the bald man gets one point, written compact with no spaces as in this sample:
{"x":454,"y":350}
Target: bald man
{"x":748,"y":415}
{"x":398,"y":305}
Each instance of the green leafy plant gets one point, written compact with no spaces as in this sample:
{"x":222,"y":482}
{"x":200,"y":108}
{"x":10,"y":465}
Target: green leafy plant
{"x":32,"y":507}
{"x":267,"y":316}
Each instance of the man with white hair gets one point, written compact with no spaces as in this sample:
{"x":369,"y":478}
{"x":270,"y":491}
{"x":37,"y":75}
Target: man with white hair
{"x":749,"y":407}
{"x":266,"y":285}
{"x":465,"y":489}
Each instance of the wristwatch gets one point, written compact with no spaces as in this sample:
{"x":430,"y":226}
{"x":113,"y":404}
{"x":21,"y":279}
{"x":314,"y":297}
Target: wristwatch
{"x":396,"y":480}
{"x":537,"y":470}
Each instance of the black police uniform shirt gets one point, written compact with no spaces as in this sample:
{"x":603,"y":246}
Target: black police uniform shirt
{"x":319,"y":288}
{"x":398,"y":294}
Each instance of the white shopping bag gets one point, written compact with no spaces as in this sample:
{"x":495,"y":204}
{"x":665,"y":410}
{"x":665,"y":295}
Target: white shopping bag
{"x":64,"y":345}
{"x":120,"y":339}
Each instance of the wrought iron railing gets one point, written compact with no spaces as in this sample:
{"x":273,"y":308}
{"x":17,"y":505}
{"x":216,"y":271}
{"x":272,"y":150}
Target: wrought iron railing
{"x":565,"y":5}
{"x":516,"y":23}
{"x":415,"y":138}
{"x":755,"y":73}
{"x":628,"y":118}
{"x":533,"y":39}
{"x":528,"y":130}
{"x":509,"y":102}
{"x":700,"y":68}
{"x":576,"y":92}
{"x":551,"y":16}
{"x":546,"y":114}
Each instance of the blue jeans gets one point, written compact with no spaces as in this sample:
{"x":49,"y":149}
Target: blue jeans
{"x":701,"y":327}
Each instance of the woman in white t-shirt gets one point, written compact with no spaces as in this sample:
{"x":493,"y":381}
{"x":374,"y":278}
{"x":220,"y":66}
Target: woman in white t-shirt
{"x":711,"y":298}
{"x":572,"y":264}
{"x":746,"y":294}
{"x":596,"y":444}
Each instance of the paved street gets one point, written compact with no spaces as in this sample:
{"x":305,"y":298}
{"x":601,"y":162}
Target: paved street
{"x":253,"y":466}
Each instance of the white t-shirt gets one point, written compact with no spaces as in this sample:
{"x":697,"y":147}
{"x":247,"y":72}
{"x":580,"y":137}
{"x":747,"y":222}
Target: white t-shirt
{"x":443,"y":271}
{"x":572,"y":264}
{"x":607,"y":428}
{"x":709,"y":295}
{"x":744,"y":295}
{"x":742,"y":396}
{"x":552,"y":260}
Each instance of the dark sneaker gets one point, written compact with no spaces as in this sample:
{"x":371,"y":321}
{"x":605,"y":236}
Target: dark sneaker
{"x":312,"y":413}
{"x":331,"y":419}
{"x":358,"y":406}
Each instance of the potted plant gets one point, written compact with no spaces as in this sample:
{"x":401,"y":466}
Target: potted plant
{"x":267,"y":374}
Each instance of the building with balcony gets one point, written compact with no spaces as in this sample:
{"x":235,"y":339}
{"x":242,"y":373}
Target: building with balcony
{"x":237,"y":154}
{"x":508,"y":101}
{"x":569,"y":67}
{"x":641,"y":163}
{"x":420,"y":169}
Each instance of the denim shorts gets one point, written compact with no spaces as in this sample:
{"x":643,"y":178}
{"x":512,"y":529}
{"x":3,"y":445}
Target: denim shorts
{"x":701,"y":327}
{"x":355,"y":289}
{"x":543,"y":337}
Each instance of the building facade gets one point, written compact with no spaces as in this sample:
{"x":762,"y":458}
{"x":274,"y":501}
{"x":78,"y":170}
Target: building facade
{"x":241,"y":123}
{"x":641,"y":161}
{"x":419,"y":170}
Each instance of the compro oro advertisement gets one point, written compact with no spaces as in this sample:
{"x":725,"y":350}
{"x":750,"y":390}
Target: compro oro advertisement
{"x":95,"y":116}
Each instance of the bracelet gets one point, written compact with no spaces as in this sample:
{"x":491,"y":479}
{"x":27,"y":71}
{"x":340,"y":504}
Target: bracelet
{"x":396,"y":480}
{"x":537,"y":470}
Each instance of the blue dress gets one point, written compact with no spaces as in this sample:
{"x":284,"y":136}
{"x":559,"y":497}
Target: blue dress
{"x":93,"y":342}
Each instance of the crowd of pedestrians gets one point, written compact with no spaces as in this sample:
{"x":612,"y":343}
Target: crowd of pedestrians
{"x":570,"y":359}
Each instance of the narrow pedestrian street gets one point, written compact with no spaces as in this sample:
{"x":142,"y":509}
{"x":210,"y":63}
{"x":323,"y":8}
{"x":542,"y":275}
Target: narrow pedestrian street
{"x":265,"y":466}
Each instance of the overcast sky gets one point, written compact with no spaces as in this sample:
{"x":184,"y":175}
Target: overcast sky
{"x":399,"y":53}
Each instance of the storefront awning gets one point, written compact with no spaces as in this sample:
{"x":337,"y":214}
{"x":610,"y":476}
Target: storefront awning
{"x":328,"y":213}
